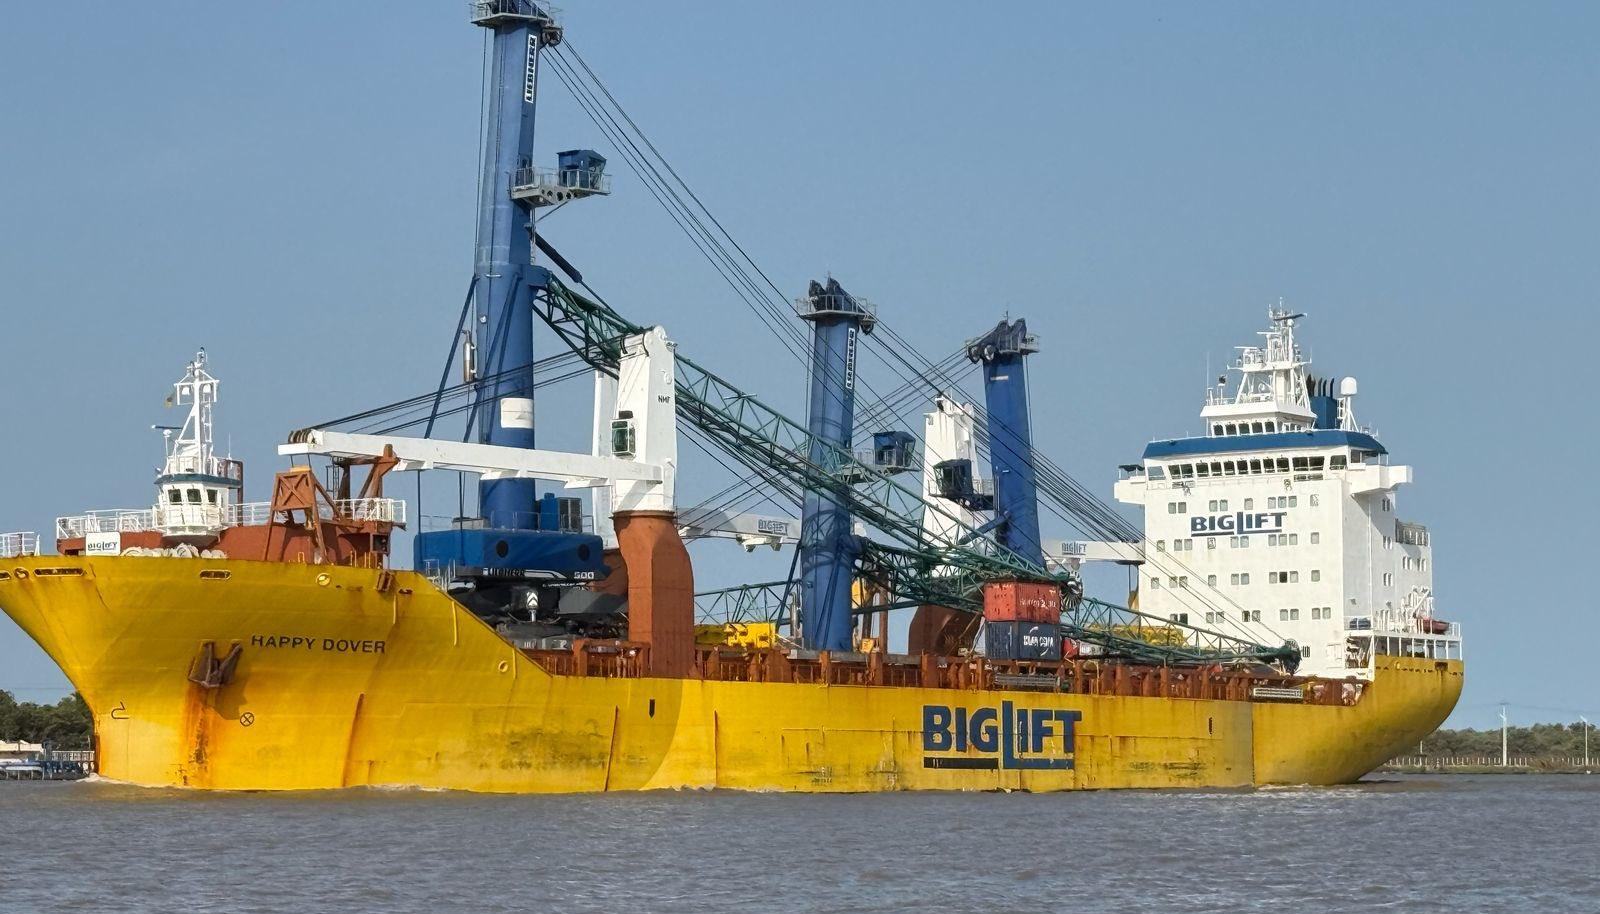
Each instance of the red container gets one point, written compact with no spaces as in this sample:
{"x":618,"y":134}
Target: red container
{"x":1021,"y":601}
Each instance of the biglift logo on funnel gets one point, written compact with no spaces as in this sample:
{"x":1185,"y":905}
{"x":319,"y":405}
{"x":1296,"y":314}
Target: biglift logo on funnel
{"x":1243,"y":522}
{"x":1007,"y":737}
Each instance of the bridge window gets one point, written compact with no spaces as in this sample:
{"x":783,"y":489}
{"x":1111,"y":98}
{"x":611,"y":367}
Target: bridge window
{"x":1336,"y":462}
{"x":174,"y":496}
{"x":194,"y":496}
{"x":1283,"y":464}
{"x":1216,"y":429}
{"x":211,"y":495}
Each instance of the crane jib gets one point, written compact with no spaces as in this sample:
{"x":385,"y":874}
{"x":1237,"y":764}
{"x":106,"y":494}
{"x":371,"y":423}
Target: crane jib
{"x":763,"y":439}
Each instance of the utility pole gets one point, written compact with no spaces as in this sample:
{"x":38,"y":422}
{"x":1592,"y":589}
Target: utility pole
{"x":1585,"y":740}
{"x":1505,"y":760}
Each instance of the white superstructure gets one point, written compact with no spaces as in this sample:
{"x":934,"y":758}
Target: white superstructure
{"x":196,"y":490}
{"x":1281,"y":521}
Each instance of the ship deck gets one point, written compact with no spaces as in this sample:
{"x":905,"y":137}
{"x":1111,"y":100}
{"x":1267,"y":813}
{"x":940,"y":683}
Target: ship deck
{"x":1077,"y":676}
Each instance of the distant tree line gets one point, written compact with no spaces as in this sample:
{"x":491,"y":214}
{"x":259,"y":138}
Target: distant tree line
{"x":66,"y":724}
{"x":1539,"y":740}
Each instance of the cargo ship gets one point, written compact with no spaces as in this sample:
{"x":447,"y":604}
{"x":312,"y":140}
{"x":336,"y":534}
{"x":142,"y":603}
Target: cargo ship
{"x":927,"y":637}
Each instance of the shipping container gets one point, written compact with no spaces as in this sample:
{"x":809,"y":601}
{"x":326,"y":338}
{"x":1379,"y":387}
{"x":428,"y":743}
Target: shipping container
{"x":1022,"y":640}
{"x":1021,"y":601}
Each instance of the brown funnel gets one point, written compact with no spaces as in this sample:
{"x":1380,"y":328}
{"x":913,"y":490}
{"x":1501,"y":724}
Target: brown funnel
{"x":660,"y":589}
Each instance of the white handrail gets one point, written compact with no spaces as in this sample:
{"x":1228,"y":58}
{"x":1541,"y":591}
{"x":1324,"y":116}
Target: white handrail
{"x":249,"y":514}
{"x":114,"y":520}
{"x":14,"y":545}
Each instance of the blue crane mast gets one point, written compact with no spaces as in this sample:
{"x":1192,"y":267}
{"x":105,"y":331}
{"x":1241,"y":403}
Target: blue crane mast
{"x":520,"y":542}
{"x":1003,"y":352}
{"x":828,"y":547}
{"x":504,"y":328}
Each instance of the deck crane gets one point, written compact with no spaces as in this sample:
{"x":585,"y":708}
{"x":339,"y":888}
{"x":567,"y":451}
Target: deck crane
{"x":944,"y":564}
{"x":932,"y":552}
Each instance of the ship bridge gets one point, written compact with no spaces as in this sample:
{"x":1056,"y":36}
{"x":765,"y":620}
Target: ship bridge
{"x":1280,"y":520}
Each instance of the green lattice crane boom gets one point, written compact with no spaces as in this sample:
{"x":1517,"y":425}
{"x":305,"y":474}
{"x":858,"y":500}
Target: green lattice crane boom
{"x":917,"y":567}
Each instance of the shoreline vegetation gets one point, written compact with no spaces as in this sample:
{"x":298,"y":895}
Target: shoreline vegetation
{"x":67,"y":724}
{"x":1535,"y":749}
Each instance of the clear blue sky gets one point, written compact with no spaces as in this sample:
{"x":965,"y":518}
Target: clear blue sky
{"x":292,"y":186}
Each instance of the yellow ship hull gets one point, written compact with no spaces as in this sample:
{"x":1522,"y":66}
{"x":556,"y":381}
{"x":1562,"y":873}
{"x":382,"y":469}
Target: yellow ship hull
{"x":344,"y":682}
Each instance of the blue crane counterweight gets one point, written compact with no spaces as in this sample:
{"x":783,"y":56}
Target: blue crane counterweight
{"x":828,"y":547}
{"x":504,"y":330}
{"x":1003,"y":352}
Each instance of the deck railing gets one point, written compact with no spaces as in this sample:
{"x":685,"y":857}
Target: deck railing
{"x":249,"y":514}
{"x":15,"y":545}
{"x":113,"y":520}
